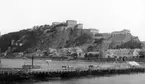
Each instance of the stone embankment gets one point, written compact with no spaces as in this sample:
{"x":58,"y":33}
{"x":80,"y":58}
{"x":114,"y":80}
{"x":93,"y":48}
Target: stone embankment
{"x":21,"y":74}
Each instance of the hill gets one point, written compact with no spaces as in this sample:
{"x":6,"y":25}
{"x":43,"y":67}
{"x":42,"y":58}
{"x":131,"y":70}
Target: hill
{"x":63,"y":35}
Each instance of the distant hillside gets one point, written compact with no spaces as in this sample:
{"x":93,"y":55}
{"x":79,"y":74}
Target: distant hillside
{"x":67,"y":34}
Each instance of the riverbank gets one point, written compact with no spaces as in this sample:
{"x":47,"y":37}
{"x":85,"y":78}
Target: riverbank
{"x":17,"y":63}
{"x":57,"y":64}
{"x":80,"y":59}
{"x":55,"y":68}
{"x":38,"y":74}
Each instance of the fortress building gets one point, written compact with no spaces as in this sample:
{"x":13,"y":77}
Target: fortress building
{"x":71,"y":23}
{"x":92,"y":30}
{"x":56,"y":23}
{"x":123,"y":32}
{"x":80,"y":26}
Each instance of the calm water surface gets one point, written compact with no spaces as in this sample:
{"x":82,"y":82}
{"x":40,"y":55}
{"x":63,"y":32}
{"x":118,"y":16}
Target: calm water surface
{"x":117,"y":79}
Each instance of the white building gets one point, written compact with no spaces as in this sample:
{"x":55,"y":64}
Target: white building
{"x":136,"y":52}
{"x":121,"y":53}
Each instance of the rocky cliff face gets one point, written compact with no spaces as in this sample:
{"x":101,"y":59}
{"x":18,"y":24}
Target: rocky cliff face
{"x":68,"y":34}
{"x":143,"y":45}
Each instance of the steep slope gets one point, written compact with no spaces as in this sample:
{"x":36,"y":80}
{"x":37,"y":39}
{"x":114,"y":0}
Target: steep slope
{"x":26,"y":38}
{"x":120,"y":39}
{"x":69,"y":34}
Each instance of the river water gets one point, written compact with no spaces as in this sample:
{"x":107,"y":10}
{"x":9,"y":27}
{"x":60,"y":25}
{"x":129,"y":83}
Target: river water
{"x":114,"y":79}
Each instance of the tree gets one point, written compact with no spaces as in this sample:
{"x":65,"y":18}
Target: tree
{"x":142,"y":54}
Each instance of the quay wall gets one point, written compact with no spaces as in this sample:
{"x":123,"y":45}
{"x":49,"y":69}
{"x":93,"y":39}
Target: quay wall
{"x":17,"y":75}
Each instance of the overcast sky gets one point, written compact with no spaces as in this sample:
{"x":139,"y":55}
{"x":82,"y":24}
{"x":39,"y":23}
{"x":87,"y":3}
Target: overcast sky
{"x":105,"y":15}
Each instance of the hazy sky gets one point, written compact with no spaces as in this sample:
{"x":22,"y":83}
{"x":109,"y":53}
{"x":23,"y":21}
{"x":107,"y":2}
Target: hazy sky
{"x":105,"y":15}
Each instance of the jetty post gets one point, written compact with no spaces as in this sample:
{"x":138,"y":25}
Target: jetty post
{"x":32,"y":61}
{"x":48,"y":61}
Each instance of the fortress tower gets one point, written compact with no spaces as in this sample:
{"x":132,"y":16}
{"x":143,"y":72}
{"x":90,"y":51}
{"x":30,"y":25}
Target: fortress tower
{"x":71,"y":23}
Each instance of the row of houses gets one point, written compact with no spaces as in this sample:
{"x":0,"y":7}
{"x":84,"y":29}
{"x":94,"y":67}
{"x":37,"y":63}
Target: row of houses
{"x":111,"y":53}
{"x":79,"y":53}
